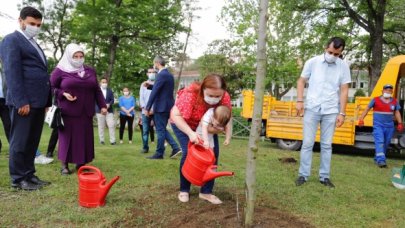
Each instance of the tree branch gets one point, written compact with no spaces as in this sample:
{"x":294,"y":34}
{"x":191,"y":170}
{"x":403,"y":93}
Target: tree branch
{"x":361,"y":21}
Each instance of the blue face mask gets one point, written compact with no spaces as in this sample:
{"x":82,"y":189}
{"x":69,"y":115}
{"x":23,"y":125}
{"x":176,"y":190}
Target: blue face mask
{"x":330,"y":58}
{"x":31,"y":31}
{"x":151,"y":76}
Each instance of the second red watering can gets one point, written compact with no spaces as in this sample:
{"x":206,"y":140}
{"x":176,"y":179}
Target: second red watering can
{"x":199,"y":166}
{"x":92,"y":186}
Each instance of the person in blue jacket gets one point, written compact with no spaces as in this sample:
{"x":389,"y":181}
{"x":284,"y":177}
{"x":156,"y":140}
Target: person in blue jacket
{"x":385,"y":107}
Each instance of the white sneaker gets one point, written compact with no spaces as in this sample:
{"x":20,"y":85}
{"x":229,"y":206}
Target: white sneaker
{"x":42,"y":160}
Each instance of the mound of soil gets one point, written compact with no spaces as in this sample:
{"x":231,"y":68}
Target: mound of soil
{"x":167,"y":211}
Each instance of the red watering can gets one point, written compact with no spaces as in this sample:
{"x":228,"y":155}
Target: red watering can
{"x":92,"y":187}
{"x":199,"y":166}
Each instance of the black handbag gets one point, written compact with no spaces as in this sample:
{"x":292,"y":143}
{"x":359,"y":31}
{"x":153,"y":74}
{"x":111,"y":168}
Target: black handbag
{"x":54,"y":117}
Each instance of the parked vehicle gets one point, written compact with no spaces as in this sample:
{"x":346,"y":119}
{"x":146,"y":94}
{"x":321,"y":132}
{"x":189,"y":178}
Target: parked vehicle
{"x":284,"y":127}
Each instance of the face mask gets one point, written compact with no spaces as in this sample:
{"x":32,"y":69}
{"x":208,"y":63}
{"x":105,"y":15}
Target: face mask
{"x":104,"y":85}
{"x":386,"y":95}
{"x":152,"y":76}
{"x":126,"y":93}
{"x":212,"y":100}
{"x":31,"y":31}
{"x":77,"y":62}
{"x":330,"y":58}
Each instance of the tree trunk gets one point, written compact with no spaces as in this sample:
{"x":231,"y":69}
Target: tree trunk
{"x":183,"y":57}
{"x":113,"y":45}
{"x":112,"y":54}
{"x":93,"y":43}
{"x":376,"y":42}
{"x":257,"y":115}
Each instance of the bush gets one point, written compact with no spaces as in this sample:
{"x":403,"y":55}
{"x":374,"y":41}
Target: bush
{"x":358,"y":93}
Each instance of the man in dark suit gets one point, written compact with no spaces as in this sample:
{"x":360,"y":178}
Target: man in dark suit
{"x":28,"y":94}
{"x":162,"y":100}
{"x":108,"y":119}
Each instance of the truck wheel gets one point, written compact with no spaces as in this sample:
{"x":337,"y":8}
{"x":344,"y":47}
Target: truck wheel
{"x":286,"y":144}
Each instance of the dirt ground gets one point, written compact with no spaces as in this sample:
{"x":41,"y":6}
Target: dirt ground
{"x":169,"y":212}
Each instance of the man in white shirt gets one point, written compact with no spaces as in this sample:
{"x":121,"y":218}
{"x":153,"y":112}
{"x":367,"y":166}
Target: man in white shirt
{"x":328,"y":79}
{"x":144,"y":94}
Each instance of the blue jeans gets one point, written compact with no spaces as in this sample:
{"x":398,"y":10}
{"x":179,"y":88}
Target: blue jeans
{"x":311,"y":121}
{"x":161,"y":119}
{"x":145,"y":131}
{"x":382,"y":139}
{"x":183,"y":140}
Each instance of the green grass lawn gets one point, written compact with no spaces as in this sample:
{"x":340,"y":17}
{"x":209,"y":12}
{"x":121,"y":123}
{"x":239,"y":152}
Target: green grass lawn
{"x":363,"y":197}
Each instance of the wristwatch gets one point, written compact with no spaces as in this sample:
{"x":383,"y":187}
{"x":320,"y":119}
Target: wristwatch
{"x":343,"y":114}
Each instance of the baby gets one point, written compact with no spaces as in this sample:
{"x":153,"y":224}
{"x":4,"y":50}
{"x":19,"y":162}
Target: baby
{"x":217,"y":118}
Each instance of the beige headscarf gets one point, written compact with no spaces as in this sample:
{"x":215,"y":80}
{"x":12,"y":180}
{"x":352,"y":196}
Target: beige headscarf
{"x":65,"y":64}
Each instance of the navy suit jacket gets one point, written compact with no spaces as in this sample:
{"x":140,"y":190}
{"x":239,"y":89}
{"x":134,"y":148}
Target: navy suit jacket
{"x":26,"y":73}
{"x":109,"y":99}
{"x":161,"y":96}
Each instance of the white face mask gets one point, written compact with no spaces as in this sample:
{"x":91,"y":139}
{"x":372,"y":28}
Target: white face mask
{"x":212,"y":100}
{"x":152,"y":76}
{"x":330,"y":58}
{"x":31,"y":31}
{"x":104,"y":85}
{"x":386,"y":95}
{"x":126,"y":93}
{"x":77,"y":62}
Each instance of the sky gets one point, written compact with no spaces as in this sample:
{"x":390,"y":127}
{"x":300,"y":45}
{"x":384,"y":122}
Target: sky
{"x":205,"y":29}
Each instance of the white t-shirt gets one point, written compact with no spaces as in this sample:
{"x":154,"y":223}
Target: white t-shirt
{"x":206,"y":120}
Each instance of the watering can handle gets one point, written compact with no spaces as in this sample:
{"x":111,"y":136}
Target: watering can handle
{"x":89,"y":168}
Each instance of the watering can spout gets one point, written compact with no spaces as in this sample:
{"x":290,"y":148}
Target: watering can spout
{"x":211,"y":174}
{"x":105,"y":188}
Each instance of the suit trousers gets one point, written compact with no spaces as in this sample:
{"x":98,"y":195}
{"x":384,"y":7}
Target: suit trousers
{"x":102,"y":121}
{"x":25,"y":134}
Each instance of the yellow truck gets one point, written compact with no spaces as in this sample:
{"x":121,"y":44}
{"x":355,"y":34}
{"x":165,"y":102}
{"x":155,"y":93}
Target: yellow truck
{"x":284,"y":127}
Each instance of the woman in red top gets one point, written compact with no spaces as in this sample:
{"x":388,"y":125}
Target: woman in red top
{"x":191,"y":104}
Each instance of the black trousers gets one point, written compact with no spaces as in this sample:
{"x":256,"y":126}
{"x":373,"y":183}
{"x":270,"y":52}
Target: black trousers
{"x":5,"y":118}
{"x":25,"y":134}
{"x":123,"y":120}
{"x":52,"y":142}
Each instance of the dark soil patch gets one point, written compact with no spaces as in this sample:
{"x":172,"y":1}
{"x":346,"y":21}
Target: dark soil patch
{"x":162,"y":209}
{"x":287,"y":160}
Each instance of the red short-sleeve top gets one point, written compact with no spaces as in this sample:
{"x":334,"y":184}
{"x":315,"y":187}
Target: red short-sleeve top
{"x":192,"y":109}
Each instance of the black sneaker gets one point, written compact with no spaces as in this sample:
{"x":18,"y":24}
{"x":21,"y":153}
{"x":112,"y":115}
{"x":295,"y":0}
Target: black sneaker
{"x":327,"y":183}
{"x":113,"y":143}
{"x":102,"y":143}
{"x":144,"y":151}
{"x":382,"y":165}
{"x":155,"y":157}
{"x":175,"y":153}
{"x":300,"y":181}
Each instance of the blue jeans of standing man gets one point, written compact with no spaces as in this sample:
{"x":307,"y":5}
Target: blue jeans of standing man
{"x":183,"y":140}
{"x":311,"y":121}
{"x":161,"y":119}
{"x":146,"y":120}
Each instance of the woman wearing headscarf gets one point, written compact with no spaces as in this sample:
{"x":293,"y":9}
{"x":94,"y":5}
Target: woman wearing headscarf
{"x":76,"y":92}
